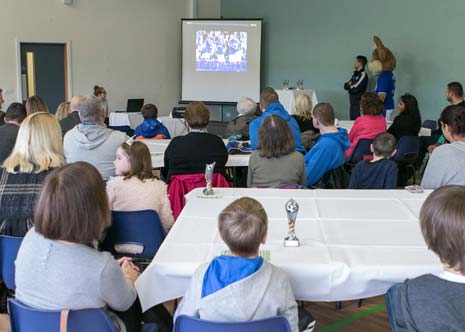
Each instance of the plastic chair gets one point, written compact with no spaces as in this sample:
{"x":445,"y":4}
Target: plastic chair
{"x":190,"y":324}
{"x":408,"y":149}
{"x":141,"y":229}
{"x":430,"y":124}
{"x":9,"y":246}
{"x":361,"y":150}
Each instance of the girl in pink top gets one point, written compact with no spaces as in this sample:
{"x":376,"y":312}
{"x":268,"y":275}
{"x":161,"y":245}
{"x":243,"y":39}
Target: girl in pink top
{"x":370,"y":124}
{"x":135,"y":187}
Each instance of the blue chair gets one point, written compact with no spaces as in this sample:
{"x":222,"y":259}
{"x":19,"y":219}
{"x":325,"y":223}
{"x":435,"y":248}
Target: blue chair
{"x":190,"y":324}
{"x":430,"y":124}
{"x":9,"y":246}
{"x":361,"y":150}
{"x":408,"y":149}
{"x":142,"y":229}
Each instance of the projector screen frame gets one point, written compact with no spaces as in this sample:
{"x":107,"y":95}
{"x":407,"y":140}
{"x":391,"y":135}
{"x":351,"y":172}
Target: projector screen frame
{"x":216,"y":102}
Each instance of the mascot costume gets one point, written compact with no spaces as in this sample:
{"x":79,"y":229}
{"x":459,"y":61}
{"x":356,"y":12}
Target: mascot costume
{"x":382,"y":64}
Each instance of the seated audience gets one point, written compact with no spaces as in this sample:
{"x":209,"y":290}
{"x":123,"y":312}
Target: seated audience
{"x":434,"y":302}
{"x":303,"y":116}
{"x":37,"y":151}
{"x":15,"y":114}
{"x":63,"y":110}
{"x":135,"y":187}
{"x":328,"y":152}
{"x":447,"y":162}
{"x":58,"y":266}
{"x":270,"y":105}
{"x":408,"y":122}
{"x":239,"y":126}
{"x":190,"y":153}
{"x":91,"y":140}
{"x":275,"y":161}
{"x":151,"y":127}
{"x":241,"y":286}
{"x":370,"y":123}
{"x":35,"y":104}
{"x":2,"y":114}
{"x":72,"y":119}
{"x":381,"y":171}
{"x":454,"y":94}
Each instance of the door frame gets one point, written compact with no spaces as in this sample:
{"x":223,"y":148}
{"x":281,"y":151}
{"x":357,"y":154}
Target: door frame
{"x":68,"y":71}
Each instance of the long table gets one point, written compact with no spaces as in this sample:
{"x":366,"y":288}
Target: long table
{"x":157,"y":151}
{"x":353,"y":243}
{"x":348,"y":124}
{"x":176,"y":127}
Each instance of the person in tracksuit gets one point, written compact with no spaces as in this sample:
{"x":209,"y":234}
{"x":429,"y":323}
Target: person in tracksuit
{"x":357,"y":86}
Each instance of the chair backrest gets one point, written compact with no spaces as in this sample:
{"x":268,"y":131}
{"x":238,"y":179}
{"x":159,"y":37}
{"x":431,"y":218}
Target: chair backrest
{"x":337,"y":178}
{"x":361,"y":150}
{"x":408,"y":149}
{"x":9,"y":246}
{"x":26,"y":319}
{"x":431,"y":124}
{"x":139,"y":228}
{"x":190,"y":324}
{"x":180,"y":185}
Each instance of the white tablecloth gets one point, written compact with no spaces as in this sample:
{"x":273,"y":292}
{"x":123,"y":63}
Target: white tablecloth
{"x":287,"y":98}
{"x":157,"y":150}
{"x":176,"y":127}
{"x":348,"y":124}
{"x":353,"y":243}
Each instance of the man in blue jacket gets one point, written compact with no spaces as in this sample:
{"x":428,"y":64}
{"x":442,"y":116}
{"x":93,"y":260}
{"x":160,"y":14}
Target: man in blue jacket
{"x":328,"y":152}
{"x":270,"y":105}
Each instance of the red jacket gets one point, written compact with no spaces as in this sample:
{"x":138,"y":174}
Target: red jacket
{"x":366,"y":126}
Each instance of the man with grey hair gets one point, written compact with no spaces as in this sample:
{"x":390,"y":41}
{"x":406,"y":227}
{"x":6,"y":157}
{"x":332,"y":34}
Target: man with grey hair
{"x":240,"y":125}
{"x":91,"y":140}
{"x":72,"y":119}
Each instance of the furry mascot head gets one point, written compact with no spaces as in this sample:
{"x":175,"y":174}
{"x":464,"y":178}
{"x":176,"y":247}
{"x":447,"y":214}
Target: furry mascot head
{"x":382,"y":58}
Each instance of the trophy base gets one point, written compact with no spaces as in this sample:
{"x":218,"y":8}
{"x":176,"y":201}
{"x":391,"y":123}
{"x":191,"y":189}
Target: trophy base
{"x":291,"y":243}
{"x":208,"y":192}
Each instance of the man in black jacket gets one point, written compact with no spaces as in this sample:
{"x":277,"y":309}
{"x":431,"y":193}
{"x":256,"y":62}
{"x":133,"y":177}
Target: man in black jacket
{"x":357,"y":86}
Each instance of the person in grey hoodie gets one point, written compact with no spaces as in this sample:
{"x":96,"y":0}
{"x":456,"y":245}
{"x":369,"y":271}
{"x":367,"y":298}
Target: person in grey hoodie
{"x":242,"y":286}
{"x":91,"y":140}
{"x":447,"y":163}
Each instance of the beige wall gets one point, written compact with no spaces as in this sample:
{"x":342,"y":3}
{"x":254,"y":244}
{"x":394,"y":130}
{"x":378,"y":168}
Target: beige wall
{"x":208,"y":8}
{"x":132,"y":48}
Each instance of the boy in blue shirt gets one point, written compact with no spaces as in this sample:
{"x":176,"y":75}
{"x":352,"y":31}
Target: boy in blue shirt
{"x":381,"y":171}
{"x":151,"y":127}
{"x":328,"y":152}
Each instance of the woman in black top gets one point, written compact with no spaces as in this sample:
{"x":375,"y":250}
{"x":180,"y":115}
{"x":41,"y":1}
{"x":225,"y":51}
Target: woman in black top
{"x":408,"y":122}
{"x":303,"y":113}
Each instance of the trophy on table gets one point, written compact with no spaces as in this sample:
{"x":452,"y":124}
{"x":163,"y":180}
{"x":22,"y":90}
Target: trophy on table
{"x":285,"y":84}
{"x":292,"y":208}
{"x":208,"y":176}
{"x":300,"y":84}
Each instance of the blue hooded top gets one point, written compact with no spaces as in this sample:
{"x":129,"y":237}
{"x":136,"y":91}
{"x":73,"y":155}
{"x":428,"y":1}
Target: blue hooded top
{"x":326,"y":154}
{"x":275,"y":109}
{"x":151,"y":128}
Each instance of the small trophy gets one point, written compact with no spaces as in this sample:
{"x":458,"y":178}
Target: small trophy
{"x":300,"y":84}
{"x":208,"y":176}
{"x":292,"y":208}
{"x":285,"y":84}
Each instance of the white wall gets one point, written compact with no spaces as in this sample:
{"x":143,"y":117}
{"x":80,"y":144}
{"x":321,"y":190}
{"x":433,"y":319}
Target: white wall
{"x":132,"y":48}
{"x":208,"y":8}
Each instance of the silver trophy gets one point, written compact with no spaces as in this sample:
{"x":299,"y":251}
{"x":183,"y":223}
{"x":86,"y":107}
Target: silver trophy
{"x":292,"y":208}
{"x":208,"y":176}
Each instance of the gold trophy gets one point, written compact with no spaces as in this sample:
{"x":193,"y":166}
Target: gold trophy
{"x":292,"y":208}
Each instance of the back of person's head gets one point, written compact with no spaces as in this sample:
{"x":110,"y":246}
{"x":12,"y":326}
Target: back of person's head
{"x":91,"y":109}
{"x":442,"y":221}
{"x":275,"y":138}
{"x":362,"y":59}
{"x":35,"y":104}
{"x":140,"y":159}
{"x":73,"y":205}
{"x":456,"y":89}
{"x":454,"y":117}
{"x":246,"y":106}
{"x":38,"y":147}
{"x":268,"y":97}
{"x":63,"y":110}
{"x":384,"y":145}
{"x":98,"y":90}
{"x":16,"y":112}
{"x":243,"y":226}
{"x":324,"y":112}
{"x":371,"y":104}
{"x":74,"y":104}
{"x":197,"y":115}
{"x":303,"y":106}
{"x":149,"y":111}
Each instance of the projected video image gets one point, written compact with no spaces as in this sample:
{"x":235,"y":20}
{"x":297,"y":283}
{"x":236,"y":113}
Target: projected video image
{"x":221,"y":51}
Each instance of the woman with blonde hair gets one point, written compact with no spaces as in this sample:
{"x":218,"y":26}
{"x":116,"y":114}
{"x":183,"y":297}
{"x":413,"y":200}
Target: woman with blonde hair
{"x":303,"y":113}
{"x":63,"y":110}
{"x":35,"y":104}
{"x":37,"y":151}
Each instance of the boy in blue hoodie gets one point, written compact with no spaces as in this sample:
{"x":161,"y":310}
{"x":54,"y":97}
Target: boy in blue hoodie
{"x":151,"y":127}
{"x":328,"y":152}
{"x":241,"y":286}
{"x":270,"y":105}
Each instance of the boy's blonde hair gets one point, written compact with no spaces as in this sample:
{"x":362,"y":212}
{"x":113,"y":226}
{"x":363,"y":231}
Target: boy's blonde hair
{"x":38,"y":147}
{"x":243,"y":225}
{"x":303,"y":106}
